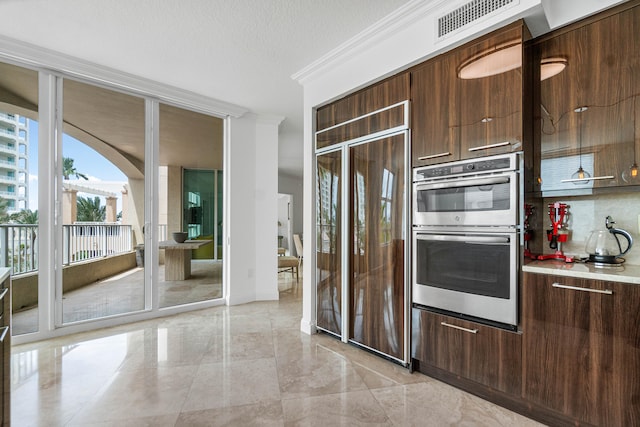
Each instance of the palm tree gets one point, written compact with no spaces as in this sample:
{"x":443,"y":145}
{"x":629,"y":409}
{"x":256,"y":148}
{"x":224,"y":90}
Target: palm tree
{"x":90,"y":210}
{"x":68,"y":169}
{"x":4,"y":206}
{"x":28,"y":217}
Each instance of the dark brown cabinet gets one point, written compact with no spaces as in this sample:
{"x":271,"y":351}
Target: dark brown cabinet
{"x":490,"y":117}
{"x":377,"y":267}
{"x":329,"y":242}
{"x":484,"y":354}
{"x":361,"y":151}
{"x":588,"y":112}
{"x":434,"y":137}
{"x":374,"y":109}
{"x":469,"y":102}
{"x":581,"y":352}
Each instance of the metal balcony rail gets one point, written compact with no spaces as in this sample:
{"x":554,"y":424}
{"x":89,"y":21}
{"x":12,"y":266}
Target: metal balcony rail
{"x":81,"y":242}
{"x":86,"y":241}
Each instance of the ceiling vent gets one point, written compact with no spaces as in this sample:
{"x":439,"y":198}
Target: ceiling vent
{"x":468,"y":13}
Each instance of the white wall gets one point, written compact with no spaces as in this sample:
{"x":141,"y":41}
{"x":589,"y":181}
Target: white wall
{"x":252,"y":209}
{"x":405,"y":38}
{"x":560,"y":13}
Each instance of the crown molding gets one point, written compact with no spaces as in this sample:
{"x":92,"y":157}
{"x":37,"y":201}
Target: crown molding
{"x":42,"y":59}
{"x":392,"y":23}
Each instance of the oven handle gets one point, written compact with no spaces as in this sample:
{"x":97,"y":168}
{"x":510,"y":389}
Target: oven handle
{"x":470,"y":182}
{"x":489,"y":240}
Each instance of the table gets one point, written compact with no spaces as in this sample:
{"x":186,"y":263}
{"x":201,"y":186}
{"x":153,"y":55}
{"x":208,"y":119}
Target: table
{"x":177,"y":257}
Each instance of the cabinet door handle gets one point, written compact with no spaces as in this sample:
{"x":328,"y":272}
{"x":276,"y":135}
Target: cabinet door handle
{"x":593,"y":178}
{"x":4,"y":292}
{"x":3,"y":334}
{"x":433,"y":156}
{"x":486,"y":147}
{"x":576,"y":288}
{"x":449,"y":325}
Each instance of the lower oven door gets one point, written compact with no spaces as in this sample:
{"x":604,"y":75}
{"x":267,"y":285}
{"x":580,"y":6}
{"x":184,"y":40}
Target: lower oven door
{"x":467,"y":273}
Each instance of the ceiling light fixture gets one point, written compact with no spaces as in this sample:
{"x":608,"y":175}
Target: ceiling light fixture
{"x":550,"y":67}
{"x":631,"y":173}
{"x":506,"y":57}
{"x":496,"y":60}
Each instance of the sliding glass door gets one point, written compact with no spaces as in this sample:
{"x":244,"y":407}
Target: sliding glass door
{"x":189,"y":202}
{"x":102,"y":200}
{"x":93,"y":184}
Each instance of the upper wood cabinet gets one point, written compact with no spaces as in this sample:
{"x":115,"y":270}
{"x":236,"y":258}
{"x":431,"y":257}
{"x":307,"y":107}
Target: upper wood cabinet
{"x":363,"y":113}
{"x":469,"y":102}
{"x":588,"y":113}
{"x":434,"y":135}
{"x":580,"y":348}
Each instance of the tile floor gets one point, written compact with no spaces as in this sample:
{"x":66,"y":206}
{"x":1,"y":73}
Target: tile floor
{"x":235,"y":366}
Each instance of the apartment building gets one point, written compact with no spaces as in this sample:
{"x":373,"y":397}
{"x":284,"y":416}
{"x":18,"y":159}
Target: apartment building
{"x":14,"y":161}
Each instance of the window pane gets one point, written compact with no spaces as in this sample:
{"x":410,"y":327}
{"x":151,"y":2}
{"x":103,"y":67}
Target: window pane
{"x":190,"y":201}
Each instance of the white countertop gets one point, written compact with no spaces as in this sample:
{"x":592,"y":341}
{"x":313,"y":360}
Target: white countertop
{"x":623,"y":273}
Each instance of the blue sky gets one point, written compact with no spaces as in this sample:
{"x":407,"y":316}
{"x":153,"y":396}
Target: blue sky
{"x":86,"y":161}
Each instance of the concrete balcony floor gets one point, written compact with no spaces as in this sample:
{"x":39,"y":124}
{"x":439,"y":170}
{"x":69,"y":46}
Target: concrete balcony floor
{"x":124,"y":293}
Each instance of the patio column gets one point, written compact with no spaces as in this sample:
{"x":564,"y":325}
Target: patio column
{"x":111,"y":209}
{"x":69,"y":206}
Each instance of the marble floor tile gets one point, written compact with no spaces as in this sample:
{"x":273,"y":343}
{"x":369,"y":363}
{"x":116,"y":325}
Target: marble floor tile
{"x":267,"y":414}
{"x":233,"y":383}
{"x":437,"y":404}
{"x":355,"y":408}
{"x":247,"y":365}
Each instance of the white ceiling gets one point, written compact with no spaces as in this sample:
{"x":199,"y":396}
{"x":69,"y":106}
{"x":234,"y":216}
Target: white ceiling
{"x":238,"y":51}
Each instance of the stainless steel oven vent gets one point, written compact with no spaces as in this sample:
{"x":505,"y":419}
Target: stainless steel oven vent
{"x":468,"y":13}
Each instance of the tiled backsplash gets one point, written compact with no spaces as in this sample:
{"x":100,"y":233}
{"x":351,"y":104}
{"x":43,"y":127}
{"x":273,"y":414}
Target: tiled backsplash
{"x":588,"y":213}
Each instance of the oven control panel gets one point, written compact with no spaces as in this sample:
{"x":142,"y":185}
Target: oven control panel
{"x":466,"y":167}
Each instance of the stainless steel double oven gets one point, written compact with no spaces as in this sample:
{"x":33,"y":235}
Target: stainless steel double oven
{"x":466,"y":234}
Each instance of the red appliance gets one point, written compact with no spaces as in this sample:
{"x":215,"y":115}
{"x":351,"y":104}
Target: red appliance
{"x":556,"y":236}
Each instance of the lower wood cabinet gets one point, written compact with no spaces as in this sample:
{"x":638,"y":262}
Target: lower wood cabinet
{"x":487,"y":355}
{"x":581,"y":352}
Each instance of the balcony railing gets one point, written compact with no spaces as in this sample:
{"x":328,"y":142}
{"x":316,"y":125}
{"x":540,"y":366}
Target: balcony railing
{"x":81,"y":242}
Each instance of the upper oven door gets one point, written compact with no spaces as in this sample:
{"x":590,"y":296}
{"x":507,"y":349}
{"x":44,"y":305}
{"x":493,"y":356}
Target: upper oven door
{"x":489,"y":200}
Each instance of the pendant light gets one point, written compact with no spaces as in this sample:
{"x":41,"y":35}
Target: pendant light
{"x":631,"y":174}
{"x":581,"y":176}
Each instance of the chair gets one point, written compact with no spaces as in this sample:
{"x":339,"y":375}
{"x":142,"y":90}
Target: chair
{"x":298,"y":243}
{"x":288,"y":263}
